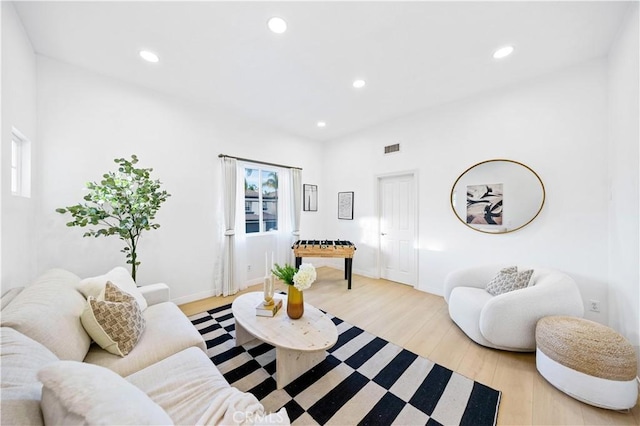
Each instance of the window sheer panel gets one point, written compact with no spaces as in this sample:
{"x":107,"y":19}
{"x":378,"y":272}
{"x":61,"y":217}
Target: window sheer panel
{"x":230,"y":171}
{"x":240,"y":241}
{"x":284,"y":243}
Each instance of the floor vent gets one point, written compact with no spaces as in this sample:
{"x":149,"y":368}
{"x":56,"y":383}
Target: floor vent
{"x":392,"y":148}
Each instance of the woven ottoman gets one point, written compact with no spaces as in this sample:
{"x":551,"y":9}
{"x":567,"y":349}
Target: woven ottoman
{"x":588,"y":361}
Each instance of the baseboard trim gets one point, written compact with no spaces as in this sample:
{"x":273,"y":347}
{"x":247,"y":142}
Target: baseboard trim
{"x":193,"y":297}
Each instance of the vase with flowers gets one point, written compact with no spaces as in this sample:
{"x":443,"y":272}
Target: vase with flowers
{"x":297,"y":281}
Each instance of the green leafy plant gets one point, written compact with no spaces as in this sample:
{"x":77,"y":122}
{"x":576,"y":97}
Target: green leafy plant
{"x":123,"y":204}
{"x":284,"y":273}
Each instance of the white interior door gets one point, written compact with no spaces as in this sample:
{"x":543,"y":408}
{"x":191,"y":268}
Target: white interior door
{"x":398,"y":229}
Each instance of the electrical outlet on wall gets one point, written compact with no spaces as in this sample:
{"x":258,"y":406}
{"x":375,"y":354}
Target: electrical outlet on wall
{"x":248,"y":268}
{"x":594,"y":305}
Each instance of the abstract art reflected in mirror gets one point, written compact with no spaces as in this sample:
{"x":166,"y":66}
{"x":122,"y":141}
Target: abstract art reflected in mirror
{"x":497,"y":196}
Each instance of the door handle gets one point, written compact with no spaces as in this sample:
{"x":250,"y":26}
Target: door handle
{"x":383,"y":233}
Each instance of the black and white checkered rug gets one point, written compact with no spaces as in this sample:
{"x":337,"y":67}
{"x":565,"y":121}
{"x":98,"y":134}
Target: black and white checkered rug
{"x":363,"y":380}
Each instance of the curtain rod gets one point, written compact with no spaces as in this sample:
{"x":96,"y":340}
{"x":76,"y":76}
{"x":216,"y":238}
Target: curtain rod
{"x":258,"y":162}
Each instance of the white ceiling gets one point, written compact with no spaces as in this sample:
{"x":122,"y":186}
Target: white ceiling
{"x":413,"y":55}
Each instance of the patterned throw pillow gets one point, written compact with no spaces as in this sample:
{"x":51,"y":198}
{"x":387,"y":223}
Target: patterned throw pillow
{"x":503,"y":282}
{"x":523,"y":279}
{"x":114,"y":320}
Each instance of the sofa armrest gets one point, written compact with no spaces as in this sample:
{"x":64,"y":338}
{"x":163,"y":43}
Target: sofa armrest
{"x":155,"y":293}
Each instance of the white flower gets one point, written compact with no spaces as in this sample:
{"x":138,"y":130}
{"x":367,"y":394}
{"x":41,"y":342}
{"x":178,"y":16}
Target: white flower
{"x":305,"y":276}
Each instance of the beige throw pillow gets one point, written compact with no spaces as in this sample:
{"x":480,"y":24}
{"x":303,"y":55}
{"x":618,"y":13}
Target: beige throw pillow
{"x":114,"y":320}
{"x":509,"y":279}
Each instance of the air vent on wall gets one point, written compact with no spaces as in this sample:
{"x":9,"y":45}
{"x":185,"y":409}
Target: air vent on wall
{"x":392,"y":148}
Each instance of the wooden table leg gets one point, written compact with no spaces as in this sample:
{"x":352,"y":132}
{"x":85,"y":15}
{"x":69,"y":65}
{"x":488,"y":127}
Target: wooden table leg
{"x":242,"y":335}
{"x":349,"y":262}
{"x":298,"y":262}
{"x":291,"y":364}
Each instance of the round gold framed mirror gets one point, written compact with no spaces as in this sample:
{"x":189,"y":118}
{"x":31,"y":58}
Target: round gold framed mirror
{"x":497,"y":196}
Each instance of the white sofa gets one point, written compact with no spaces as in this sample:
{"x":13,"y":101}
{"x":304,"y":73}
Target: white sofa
{"x":166,"y":378}
{"x":508,"y":321}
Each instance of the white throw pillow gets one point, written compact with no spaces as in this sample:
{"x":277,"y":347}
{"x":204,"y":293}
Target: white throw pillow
{"x":80,"y":393}
{"x":114,"y":320}
{"x":119,"y":276}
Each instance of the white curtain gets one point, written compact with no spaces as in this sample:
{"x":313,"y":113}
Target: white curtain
{"x":233,"y":254}
{"x":296,"y":196}
{"x":240,"y":252}
{"x":233,"y":258}
{"x":229,"y":179}
{"x":290,"y":203}
{"x":285,"y":225}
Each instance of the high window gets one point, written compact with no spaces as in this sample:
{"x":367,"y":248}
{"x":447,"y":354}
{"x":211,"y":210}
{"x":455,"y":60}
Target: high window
{"x":20,"y":164}
{"x":260,"y":200}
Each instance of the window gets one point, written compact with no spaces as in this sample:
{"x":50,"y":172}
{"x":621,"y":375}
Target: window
{"x":260,"y":200}
{"x":20,"y":164}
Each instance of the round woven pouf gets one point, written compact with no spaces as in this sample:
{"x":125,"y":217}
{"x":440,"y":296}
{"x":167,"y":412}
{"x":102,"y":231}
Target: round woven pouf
{"x":588,"y":361}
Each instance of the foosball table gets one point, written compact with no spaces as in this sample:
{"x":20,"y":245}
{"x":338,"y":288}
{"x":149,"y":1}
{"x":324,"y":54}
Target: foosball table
{"x":326,"y":248}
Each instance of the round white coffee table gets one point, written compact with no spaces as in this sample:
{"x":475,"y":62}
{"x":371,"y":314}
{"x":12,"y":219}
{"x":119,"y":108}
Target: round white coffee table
{"x":300,"y":344}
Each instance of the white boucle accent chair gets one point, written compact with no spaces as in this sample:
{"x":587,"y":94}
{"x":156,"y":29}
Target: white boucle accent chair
{"x":508,"y":321}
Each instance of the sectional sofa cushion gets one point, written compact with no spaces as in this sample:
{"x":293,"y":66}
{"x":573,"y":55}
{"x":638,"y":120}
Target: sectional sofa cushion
{"x":22,"y":357}
{"x":164,"y":319}
{"x":9,"y":295}
{"x":79,"y":393}
{"x":56,"y":325}
{"x":196,"y":393}
{"x":114,"y":320}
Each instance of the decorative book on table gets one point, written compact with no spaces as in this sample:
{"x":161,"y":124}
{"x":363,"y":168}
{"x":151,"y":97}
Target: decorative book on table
{"x":271,"y":310}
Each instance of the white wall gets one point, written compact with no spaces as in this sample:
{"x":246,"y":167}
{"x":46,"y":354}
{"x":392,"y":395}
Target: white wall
{"x":86,"y":120}
{"x":624,"y":284}
{"x":19,"y":111}
{"x":557,"y":125}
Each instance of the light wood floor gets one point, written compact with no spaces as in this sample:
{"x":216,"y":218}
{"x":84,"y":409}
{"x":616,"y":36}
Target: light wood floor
{"x":420,"y":322}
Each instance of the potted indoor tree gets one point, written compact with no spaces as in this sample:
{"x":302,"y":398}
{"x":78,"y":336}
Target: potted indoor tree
{"x":123,"y":204}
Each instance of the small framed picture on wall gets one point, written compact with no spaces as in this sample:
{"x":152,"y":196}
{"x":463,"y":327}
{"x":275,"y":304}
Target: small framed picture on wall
{"x":309,"y":198}
{"x":345,"y":205}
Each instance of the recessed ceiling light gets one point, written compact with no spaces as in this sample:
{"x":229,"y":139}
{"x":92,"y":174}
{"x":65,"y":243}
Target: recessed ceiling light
{"x":503,"y":52}
{"x":359,"y":84}
{"x":277,"y":25}
{"x":149,"y":56}
{"x":321,"y":124}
